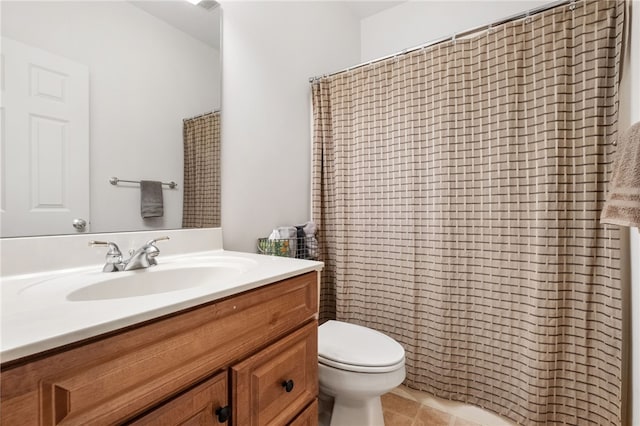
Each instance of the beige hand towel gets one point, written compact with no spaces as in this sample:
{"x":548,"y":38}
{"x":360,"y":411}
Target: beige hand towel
{"x":623,"y":202}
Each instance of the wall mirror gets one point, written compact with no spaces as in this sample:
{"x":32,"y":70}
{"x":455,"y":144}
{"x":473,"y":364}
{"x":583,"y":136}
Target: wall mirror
{"x":95,"y":90}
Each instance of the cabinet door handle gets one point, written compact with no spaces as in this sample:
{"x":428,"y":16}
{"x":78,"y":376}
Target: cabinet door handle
{"x":223,"y":413}
{"x":288,"y":385}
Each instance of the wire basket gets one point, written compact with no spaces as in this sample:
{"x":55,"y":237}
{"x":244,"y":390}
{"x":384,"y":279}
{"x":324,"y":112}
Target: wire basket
{"x":300,"y":247}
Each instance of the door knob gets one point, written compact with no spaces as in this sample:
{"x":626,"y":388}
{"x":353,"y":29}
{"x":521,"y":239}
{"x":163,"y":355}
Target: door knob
{"x":80,"y":224}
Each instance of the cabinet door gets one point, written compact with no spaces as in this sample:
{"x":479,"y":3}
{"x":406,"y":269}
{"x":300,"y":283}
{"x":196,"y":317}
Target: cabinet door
{"x":203,"y":405}
{"x":273,"y":386}
{"x":309,"y":417}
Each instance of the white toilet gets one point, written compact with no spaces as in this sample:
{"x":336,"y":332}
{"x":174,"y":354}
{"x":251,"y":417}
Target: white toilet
{"x":356,"y":366}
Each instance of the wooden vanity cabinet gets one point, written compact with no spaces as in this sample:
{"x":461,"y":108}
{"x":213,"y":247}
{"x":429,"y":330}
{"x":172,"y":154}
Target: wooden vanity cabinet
{"x":249,"y":359}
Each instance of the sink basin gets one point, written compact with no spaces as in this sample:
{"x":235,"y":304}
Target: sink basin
{"x":145,"y":282}
{"x":179,"y":276}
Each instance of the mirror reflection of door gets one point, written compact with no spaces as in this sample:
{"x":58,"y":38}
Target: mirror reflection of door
{"x":45,"y":142}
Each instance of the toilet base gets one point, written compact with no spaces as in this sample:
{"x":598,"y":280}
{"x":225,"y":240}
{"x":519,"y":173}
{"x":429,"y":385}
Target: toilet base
{"x":360,"y":412}
{"x":356,"y":396}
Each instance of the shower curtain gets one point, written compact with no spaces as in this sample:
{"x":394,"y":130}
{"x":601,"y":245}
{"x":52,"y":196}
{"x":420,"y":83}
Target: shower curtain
{"x":457,"y":190}
{"x":201,"y":203}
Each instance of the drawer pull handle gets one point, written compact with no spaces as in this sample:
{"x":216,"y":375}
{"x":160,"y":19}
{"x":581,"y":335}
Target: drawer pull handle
{"x":223,"y":413}
{"x":288,"y":385}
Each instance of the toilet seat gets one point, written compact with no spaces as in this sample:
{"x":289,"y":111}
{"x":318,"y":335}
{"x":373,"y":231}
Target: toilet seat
{"x":360,"y":368}
{"x":359,"y":349}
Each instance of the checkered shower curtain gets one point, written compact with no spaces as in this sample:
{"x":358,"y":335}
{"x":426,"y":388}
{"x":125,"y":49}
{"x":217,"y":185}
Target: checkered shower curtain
{"x":201,"y":200}
{"x":457,"y":191}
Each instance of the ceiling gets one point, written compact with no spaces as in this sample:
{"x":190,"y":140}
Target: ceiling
{"x":203,"y":23}
{"x":197,"y":21}
{"x":364,"y":9}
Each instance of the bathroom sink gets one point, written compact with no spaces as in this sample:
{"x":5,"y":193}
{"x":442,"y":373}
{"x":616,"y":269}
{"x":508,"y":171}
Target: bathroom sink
{"x":179,"y":276}
{"x":146,"y":282}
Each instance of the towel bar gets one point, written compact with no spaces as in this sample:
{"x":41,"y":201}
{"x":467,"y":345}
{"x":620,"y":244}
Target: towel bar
{"x":115,"y":181}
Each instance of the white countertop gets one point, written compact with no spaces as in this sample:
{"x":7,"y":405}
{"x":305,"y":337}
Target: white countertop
{"x":37,"y":314}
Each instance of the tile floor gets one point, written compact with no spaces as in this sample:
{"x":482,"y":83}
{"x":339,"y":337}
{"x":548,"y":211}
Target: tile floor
{"x":407,"y":407}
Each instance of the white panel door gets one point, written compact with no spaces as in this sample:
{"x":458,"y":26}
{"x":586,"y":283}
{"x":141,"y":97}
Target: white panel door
{"x":45,"y":142}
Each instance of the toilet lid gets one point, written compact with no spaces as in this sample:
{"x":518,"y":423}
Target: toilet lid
{"x":345,"y":345}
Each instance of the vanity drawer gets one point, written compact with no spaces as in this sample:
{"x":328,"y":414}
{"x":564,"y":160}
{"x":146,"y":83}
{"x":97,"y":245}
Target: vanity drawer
{"x":309,"y":417}
{"x":113,"y":378}
{"x":274,"y":385}
{"x":202,"y":405}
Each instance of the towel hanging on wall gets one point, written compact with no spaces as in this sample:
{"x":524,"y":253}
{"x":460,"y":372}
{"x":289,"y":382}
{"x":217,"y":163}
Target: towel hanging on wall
{"x":151,"y":202}
{"x":623,"y":202}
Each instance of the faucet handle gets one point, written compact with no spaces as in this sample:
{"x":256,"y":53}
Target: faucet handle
{"x":113,"y":258}
{"x":153,"y":251}
{"x":155,"y":240}
{"x":113,"y":247}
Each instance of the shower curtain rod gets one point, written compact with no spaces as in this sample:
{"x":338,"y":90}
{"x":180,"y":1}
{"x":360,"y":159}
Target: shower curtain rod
{"x":201,"y":115}
{"x":485,"y":27}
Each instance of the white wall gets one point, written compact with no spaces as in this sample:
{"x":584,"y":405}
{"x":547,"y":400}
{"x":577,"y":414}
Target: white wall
{"x":145,"y":77}
{"x":414,"y":23}
{"x":270,"y":50}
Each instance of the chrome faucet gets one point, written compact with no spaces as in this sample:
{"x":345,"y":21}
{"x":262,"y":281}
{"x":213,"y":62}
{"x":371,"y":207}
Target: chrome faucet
{"x":145,"y":256}
{"x":142,"y":258}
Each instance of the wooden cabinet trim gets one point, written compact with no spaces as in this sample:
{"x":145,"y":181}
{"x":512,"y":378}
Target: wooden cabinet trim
{"x":308,"y":417}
